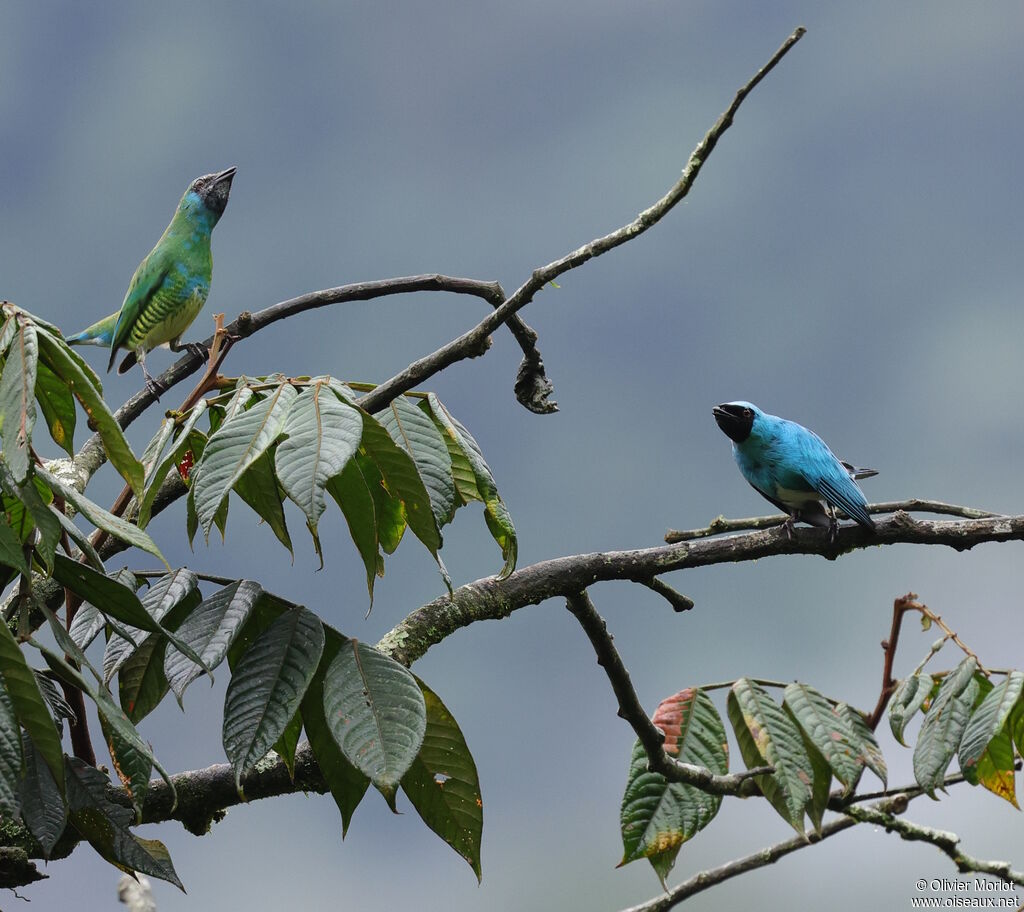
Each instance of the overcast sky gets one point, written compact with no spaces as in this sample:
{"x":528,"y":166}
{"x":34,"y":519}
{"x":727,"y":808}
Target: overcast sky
{"x":850,"y":257}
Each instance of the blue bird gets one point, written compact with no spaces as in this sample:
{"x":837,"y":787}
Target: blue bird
{"x":793,"y":468}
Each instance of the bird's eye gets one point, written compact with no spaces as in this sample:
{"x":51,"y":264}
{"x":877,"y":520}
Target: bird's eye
{"x":747,"y":413}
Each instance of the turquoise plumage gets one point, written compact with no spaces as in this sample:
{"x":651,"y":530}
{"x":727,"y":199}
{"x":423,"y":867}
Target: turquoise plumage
{"x":171,"y":284}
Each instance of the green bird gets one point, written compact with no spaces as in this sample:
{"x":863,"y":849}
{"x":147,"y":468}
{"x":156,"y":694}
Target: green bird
{"x":171,"y":284}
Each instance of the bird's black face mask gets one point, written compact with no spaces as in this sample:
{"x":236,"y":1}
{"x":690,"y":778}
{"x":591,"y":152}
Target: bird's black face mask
{"x":734,"y":420}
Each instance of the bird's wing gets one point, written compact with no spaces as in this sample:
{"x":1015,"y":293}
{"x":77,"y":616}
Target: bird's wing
{"x":840,"y":491}
{"x":147,"y":280}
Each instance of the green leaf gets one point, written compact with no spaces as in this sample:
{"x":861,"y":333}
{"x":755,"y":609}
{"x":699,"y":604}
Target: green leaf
{"x":986,"y":748}
{"x":11,"y":553}
{"x":10,"y":756}
{"x":210,"y":630}
{"x":285,"y":746}
{"x":175,"y":593}
{"x":828,"y":731}
{"x":908,"y":698}
{"x":66,"y":365}
{"x":29,"y":705}
{"x":496,"y":515}
{"x":105,"y":825}
{"x":155,"y":478}
{"x":235,"y":446}
{"x":376,"y":714}
{"x":868,"y":751}
{"x":258,"y":487}
{"x":346,"y":783}
{"x":109,"y":711}
{"x":100,"y":518}
{"x":17,"y":398}
{"x":402,"y":481}
{"x":322,"y":434}
{"x":132,"y":767}
{"x":944,"y":725}
{"x":141,"y":682}
{"x":112,"y":598}
{"x":388,"y":511}
{"x":42,"y":805}
{"x":34,"y":513}
{"x":767,"y":736}
{"x":658,"y":816}
{"x":352,"y":495}
{"x":415,"y":433}
{"x":267,"y":687}
{"x":88,"y":621}
{"x":443,"y":785}
{"x":58,"y":408}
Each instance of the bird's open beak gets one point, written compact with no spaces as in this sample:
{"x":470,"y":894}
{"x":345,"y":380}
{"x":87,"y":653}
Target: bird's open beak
{"x":226,"y":175}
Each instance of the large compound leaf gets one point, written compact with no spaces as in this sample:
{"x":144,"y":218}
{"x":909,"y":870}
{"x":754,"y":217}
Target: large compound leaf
{"x":658,"y":816}
{"x":443,"y":785}
{"x":415,"y":433}
{"x":767,"y":736}
{"x":376,"y":713}
{"x":986,"y":748}
{"x":235,"y":446}
{"x":65,"y":365}
{"x":29,"y":705}
{"x":17,"y":398}
{"x":267,"y":686}
{"x":944,"y":725}
{"x":321,"y":435}
{"x":346,"y":783}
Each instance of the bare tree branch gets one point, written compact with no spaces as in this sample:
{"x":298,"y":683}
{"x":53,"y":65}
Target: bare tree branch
{"x":945,"y":842}
{"x":490,"y":598}
{"x":720,"y":524}
{"x":651,"y":737}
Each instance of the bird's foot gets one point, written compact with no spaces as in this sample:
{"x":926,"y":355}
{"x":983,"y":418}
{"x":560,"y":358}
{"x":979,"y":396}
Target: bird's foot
{"x":155,"y":387}
{"x":833,"y":530}
{"x":787,"y":527}
{"x":196,"y":349}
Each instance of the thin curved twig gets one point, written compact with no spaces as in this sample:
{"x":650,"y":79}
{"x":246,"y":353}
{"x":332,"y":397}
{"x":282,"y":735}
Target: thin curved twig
{"x":651,"y":737}
{"x":720,"y":524}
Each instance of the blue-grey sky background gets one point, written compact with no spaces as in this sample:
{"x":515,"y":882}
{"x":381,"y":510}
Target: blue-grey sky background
{"x":850,"y":257}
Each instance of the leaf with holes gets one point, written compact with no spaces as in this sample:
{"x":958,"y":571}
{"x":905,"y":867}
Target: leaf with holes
{"x":376,"y":714}
{"x":267,"y":687}
{"x":767,"y":736}
{"x":443,"y":785}
{"x":944,"y":725}
{"x":658,"y":816}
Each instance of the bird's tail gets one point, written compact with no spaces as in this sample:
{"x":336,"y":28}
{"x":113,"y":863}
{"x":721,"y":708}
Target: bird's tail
{"x":100,"y":333}
{"x":856,"y":472}
{"x":127,"y":363}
